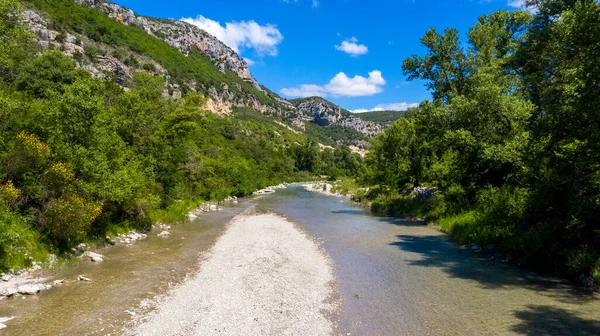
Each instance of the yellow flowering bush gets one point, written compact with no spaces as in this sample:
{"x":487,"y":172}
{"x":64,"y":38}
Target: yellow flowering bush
{"x":26,"y":152}
{"x":58,"y":176}
{"x":33,"y":145}
{"x":8,"y":192}
{"x":67,"y":219}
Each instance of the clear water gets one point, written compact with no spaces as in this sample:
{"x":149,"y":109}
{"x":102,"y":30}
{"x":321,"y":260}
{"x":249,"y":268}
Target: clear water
{"x":400,"y":278}
{"x":394,"y":278}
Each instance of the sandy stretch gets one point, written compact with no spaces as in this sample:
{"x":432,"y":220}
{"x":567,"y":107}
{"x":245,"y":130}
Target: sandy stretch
{"x":262,"y":277}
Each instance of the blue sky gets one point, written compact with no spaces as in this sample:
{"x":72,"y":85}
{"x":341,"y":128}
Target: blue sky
{"x":349,"y":51}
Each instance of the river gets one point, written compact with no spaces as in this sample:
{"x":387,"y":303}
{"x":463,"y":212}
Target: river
{"x":393,"y":277}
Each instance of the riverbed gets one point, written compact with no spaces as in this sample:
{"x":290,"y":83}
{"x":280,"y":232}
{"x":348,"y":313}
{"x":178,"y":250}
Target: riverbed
{"x":393,"y":277}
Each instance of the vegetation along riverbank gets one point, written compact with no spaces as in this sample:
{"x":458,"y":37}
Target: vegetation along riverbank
{"x":110,"y":124}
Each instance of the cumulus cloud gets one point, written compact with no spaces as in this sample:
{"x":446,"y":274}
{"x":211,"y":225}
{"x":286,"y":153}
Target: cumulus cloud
{"x":351,"y":47}
{"x":388,"y":107}
{"x":341,"y":86}
{"x":521,"y":5}
{"x":245,"y":34}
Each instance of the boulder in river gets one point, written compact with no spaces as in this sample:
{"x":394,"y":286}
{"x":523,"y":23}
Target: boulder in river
{"x":29,"y":289}
{"x":6,"y":277}
{"x":93,"y":255}
{"x":164,"y":234}
{"x":2,"y":326}
{"x":9,"y":292}
{"x":82,"y":278}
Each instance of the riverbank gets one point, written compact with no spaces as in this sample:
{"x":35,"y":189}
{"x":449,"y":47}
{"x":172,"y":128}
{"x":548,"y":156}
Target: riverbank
{"x":33,"y":280}
{"x":474,"y":228}
{"x":263,"y":276}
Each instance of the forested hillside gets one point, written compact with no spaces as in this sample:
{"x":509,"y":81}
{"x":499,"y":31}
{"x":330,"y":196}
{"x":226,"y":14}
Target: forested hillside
{"x":384,"y":118}
{"x":510,"y":142}
{"x":81,"y":157}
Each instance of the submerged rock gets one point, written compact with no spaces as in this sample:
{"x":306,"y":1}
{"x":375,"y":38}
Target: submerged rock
{"x":93,"y":255}
{"x":164,"y":234}
{"x":82,"y":278}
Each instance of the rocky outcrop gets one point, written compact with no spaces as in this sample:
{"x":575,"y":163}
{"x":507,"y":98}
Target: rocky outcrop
{"x":181,"y":35}
{"x":325,"y":113}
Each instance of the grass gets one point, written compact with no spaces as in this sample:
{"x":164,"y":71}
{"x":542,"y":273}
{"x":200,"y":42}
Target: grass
{"x":20,"y":244}
{"x":175,"y":212}
{"x":345,"y":187}
{"x":459,"y":226}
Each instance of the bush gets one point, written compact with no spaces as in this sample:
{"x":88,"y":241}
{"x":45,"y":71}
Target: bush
{"x":149,"y":67}
{"x":25,"y":153}
{"x":67,"y":219}
{"x":19,"y":243}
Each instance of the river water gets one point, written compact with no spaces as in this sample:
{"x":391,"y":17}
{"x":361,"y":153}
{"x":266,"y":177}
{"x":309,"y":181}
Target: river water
{"x":394,"y":278}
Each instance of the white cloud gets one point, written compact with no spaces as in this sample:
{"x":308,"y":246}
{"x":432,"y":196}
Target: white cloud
{"x":249,"y":61}
{"x":388,"y":107}
{"x":520,"y":4}
{"x":245,"y":34}
{"x":315,"y":3}
{"x":516,"y":3}
{"x":350,"y":46}
{"x":341,"y":86}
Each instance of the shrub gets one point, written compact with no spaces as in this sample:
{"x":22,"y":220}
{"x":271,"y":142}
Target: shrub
{"x":8,"y":193}
{"x":25,"y":153}
{"x":149,"y":67}
{"x":67,"y":219}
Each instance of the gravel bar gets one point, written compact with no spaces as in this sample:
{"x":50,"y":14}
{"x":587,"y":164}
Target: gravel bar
{"x":264,"y":276}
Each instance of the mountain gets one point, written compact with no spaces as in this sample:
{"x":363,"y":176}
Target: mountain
{"x":111,"y":41}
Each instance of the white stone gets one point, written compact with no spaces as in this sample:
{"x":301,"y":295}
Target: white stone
{"x":164,"y":234}
{"x":29,"y":289}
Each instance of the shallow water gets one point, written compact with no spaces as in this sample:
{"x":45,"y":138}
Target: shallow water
{"x":394,"y":277}
{"x":127,"y":276}
{"x":400,"y":278}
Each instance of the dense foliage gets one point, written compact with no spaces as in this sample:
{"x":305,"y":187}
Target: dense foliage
{"x":511,"y":138}
{"x":68,"y":16}
{"x":334,"y":135}
{"x":380,"y":117}
{"x":81,"y":157}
